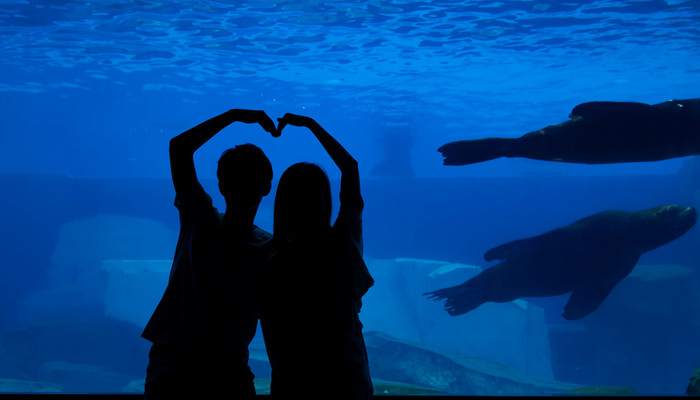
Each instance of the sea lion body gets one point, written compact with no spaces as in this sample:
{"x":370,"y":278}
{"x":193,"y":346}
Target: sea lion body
{"x":597,"y":133}
{"x":586,"y":258}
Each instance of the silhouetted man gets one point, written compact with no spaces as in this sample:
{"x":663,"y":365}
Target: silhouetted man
{"x":208,"y":315}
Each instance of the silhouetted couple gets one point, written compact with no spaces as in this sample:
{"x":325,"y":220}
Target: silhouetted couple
{"x":305,"y":282}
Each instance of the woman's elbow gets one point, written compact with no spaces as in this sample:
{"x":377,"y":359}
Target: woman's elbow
{"x":350,"y":164}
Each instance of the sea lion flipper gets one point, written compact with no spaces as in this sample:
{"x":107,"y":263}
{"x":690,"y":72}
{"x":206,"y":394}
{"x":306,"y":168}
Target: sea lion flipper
{"x":585,"y":300}
{"x":604,"y":109}
{"x":459,"y":299}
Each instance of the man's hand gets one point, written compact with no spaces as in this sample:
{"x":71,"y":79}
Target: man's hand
{"x":256,"y":116}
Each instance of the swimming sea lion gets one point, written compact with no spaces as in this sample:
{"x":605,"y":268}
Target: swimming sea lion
{"x":587,"y":258}
{"x":598,"y":133}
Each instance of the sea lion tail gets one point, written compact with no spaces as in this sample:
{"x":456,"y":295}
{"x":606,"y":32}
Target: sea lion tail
{"x":465,"y":152}
{"x":459,"y":299}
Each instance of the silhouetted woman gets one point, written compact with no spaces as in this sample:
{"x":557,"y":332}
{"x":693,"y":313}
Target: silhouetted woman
{"x":315,"y":281}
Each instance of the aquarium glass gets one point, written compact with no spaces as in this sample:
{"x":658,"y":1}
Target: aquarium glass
{"x":91,"y":92}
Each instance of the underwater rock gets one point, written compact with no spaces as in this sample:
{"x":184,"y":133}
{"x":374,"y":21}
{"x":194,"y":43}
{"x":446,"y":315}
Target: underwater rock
{"x":84,"y":377}
{"x":84,"y":243}
{"x":100,"y":355}
{"x":386,"y":388}
{"x":76,"y":280}
{"x":45,"y":206}
{"x":135,"y":386}
{"x":31,"y":224}
{"x":134,"y":288}
{"x":262,"y":385}
{"x":512,"y":334}
{"x":601,"y":391}
{"x":8,"y":367}
{"x":693,"y":388}
{"x":22,"y":386}
{"x":257,"y":357}
{"x":77,"y":301}
{"x":398,"y":361}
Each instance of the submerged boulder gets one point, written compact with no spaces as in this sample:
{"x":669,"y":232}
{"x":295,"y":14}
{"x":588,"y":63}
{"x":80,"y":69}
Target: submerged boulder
{"x":399,"y":361}
{"x":601,"y":391}
{"x":82,"y":260}
{"x":382,"y":387}
{"x":693,"y":388}
{"x":134,"y":288}
{"x":24,"y":386}
{"x":95,"y":378}
{"x":95,"y":356}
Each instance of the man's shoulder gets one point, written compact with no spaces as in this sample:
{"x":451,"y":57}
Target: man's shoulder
{"x":193,"y":197}
{"x":257,"y":244}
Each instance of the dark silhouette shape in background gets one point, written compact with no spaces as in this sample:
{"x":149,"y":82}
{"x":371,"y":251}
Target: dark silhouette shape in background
{"x":208,"y":314}
{"x":315,"y":280}
{"x":587,"y":258}
{"x":598,"y":133}
{"x":395,"y":143}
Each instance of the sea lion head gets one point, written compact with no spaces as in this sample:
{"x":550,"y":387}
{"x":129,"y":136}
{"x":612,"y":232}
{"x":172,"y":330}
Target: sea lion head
{"x":662,"y":224}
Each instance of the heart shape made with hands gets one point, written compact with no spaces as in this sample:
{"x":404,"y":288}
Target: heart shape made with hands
{"x":277,"y":132}
{"x":260,"y":117}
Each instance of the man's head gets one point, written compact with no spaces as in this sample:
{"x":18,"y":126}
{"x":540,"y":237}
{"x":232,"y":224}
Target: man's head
{"x":245,"y":175}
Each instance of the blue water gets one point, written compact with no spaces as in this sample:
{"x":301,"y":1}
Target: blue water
{"x":91,"y":92}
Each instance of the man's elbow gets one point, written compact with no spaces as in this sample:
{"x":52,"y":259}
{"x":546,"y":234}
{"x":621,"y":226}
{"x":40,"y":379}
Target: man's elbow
{"x":177,"y":146}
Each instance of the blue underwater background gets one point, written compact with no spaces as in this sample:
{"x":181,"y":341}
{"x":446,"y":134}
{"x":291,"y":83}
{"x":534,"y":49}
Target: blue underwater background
{"x":91,"y":93}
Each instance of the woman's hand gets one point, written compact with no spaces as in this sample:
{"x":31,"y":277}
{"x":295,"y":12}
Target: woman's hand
{"x":295,"y":120}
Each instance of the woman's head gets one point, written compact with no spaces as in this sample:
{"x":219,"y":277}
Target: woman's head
{"x":302,"y":203}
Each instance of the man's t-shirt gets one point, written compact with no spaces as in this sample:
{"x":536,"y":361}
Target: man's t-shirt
{"x":211,"y":303}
